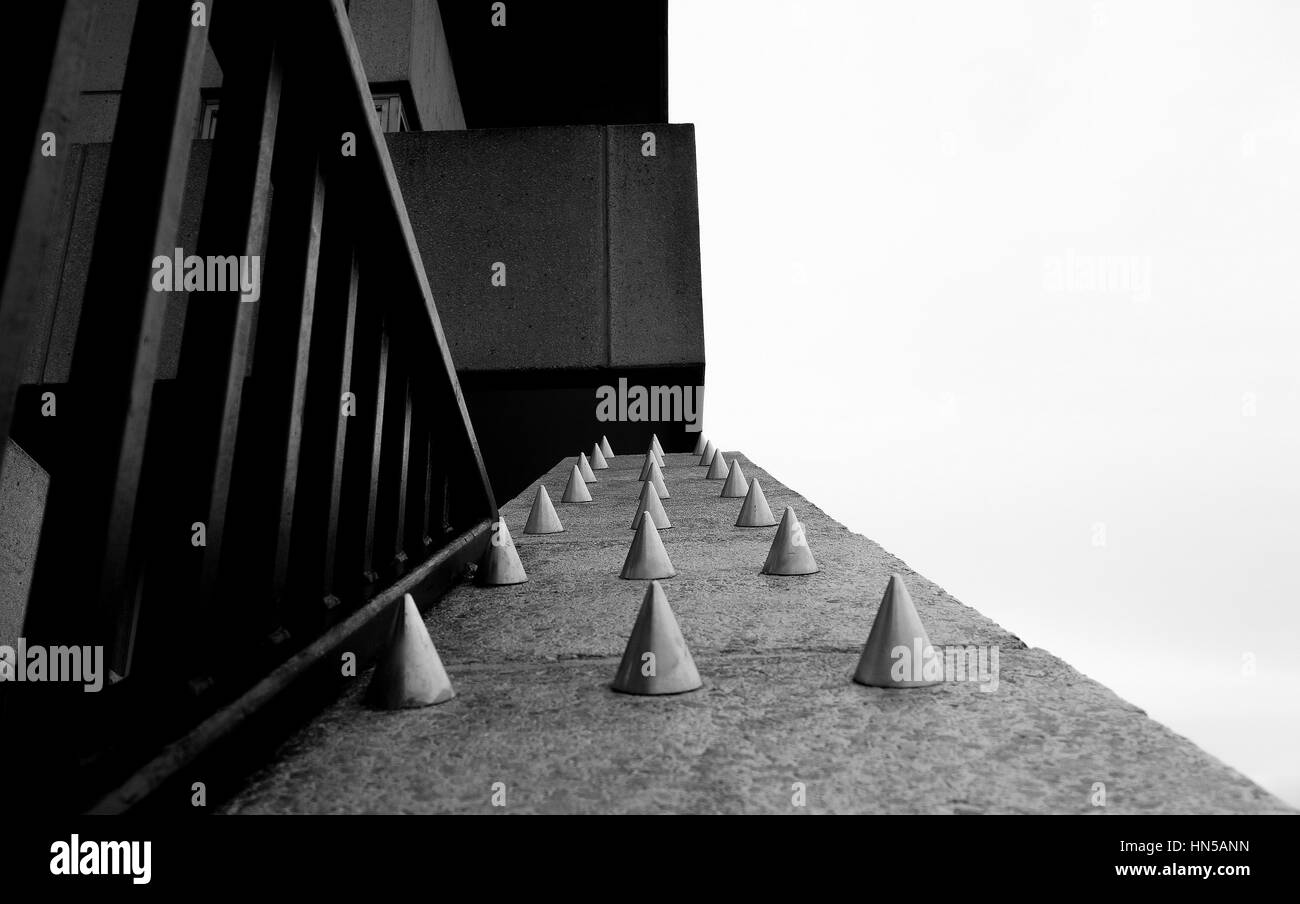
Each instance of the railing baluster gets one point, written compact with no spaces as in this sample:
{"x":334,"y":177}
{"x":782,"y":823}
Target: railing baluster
{"x":330,"y":565}
{"x":216,"y":342}
{"x":404,"y":450}
{"x":416,"y":515}
{"x":283,"y":356}
{"x":359,"y":444}
{"x":430,"y":496}
{"x":328,"y":414}
{"x":369,"y":574}
{"x":390,"y":499}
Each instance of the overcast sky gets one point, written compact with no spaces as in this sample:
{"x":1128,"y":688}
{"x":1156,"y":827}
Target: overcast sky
{"x":1023,"y":278}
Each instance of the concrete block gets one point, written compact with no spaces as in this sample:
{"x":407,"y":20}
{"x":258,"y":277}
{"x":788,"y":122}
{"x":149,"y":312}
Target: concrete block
{"x":531,"y":199}
{"x":656,"y":307}
{"x":24,"y":485}
{"x":110,"y":40}
{"x":96,"y":118}
{"x":382,"y":29}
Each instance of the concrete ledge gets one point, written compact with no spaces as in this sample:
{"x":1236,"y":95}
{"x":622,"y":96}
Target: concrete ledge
{"x":531,"y":666}
{"x":216,"y":750}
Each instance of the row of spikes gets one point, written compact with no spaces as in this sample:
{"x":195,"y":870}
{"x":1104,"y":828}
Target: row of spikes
{"x":647,"y":558}
{"x":656,"y":660}
{"x":656,"y":629}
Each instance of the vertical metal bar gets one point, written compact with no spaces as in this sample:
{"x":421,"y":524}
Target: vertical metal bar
{"x":416,"y":516}
{"x":429,"y":495}
{"x":399,"y":527}
{"x":392,"y":490}
{"x":215,"y":344}
{"x":283,"y":355}
{"x":335,"y":503}
{"x":351,"y":534}
{"x":369,"y":574}
{"x":329,"y":408}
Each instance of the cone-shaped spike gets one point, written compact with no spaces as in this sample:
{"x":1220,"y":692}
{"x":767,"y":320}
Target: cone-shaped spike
{"x":652,"y":455}
{"x":649,"y":502}
{"x":659,"y":450}
{"x":647,"y":559}
{"x":718,"y":470}
{"x":605,"y":448}
{"x":656,"y":477}
{"x":543,"y":519}
{"x":577,"y":490}
{"x":755,"y":511}
{"x":584,"y":468}
{"x":409,"y":673}
{"x":736,"y":485}
{"x":656,"y":660}
{"x":790,"y":553}
{"x":706,"y":457}
{"x":598,"y":462}
{"x":647,"y":463}
{"x":898,"y":651}
{"x":500,"y":563}
{"x":699,"y":444}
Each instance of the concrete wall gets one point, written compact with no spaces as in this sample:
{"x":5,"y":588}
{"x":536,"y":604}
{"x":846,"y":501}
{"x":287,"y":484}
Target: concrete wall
{"x":654,"y":248}
{"x":402,"y":45}
{"x":600,"y":243}
{"x":23,"y":489}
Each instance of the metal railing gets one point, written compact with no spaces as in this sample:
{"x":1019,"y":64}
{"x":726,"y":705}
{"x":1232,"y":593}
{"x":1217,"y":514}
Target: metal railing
{"x":314,"y":447}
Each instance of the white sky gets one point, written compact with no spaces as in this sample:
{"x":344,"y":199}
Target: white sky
{"x":899,"y":203}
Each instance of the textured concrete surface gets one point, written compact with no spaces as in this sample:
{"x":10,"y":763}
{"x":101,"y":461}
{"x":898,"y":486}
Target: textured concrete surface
{"x":24,"y":486}
{"x":532,"y":199}
{"x":77,"y":252}
{"x":531,"y":666}
{"x":52,"y":266}
{"x":402,"y":42}
{"x":433,"y":77}
{"x":601,"y":244}
{"x":654,"y":248}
